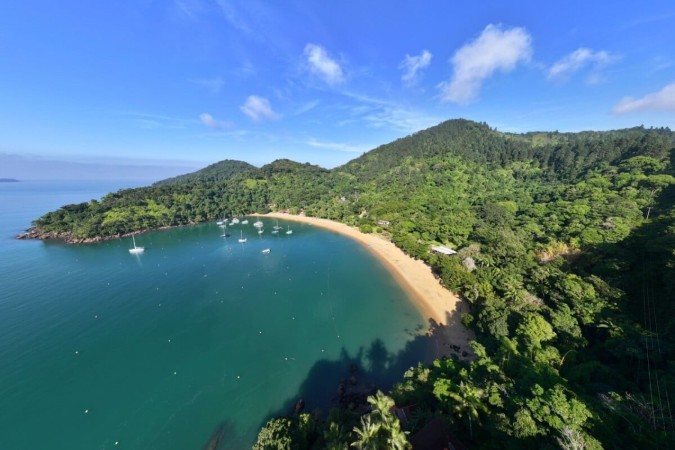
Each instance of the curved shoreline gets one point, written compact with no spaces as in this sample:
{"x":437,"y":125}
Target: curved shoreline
{"x":437,"y":304}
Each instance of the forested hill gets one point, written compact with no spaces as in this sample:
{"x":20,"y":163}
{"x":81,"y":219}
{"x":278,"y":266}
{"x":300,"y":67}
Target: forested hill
{"x":563,"y":154}
{"x":566,"y":255}
{"x":220,"y":171}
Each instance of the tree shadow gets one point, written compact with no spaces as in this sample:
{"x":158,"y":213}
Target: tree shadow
{"x":642,"y":267}
{"x":348,"y":381}
{"x":225,"y":436}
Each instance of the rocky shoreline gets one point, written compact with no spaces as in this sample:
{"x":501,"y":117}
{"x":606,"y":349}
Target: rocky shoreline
{"x":68,"y":238}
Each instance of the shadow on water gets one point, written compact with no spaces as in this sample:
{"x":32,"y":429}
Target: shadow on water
{"x":222,"y":437}
{"x":349,"y":380}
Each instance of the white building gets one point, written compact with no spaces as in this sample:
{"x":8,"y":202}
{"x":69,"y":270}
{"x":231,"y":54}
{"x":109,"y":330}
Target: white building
{"x":444,"y":250}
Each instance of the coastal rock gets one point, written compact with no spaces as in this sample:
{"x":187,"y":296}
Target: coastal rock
{"x":36,"y":233}
{"x":68,"y":237}
{"x":299,"y":406}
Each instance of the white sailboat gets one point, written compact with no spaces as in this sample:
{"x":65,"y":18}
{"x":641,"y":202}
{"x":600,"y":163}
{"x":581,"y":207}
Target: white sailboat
{"x":136,"y":249}
{"x":277,"y":227}
{"x":289,"y":231}
{"x":258,"y":223}
{"x":260,"y":231}
{"x":266,"y":251}
{"x":244,"y":222}
{"x":242,"y":239}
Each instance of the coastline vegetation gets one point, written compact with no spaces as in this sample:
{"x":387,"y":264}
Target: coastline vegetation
{"x":566,"y":255}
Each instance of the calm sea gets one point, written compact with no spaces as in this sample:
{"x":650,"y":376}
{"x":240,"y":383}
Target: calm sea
{"x":199,"y":338}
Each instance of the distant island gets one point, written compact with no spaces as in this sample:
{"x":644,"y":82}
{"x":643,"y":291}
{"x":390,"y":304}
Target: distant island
{"x":8,"y":180}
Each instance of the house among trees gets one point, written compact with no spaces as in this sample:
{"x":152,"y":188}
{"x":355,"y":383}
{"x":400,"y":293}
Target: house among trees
{"x":444,"y":250}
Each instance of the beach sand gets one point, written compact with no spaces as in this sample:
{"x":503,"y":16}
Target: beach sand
{"x":438,"y":305}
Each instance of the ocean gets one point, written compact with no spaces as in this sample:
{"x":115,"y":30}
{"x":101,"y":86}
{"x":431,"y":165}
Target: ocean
{"x":199,"y":339}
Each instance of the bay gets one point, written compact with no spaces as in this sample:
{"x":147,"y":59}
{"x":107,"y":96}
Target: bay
{"x":199,"y":337}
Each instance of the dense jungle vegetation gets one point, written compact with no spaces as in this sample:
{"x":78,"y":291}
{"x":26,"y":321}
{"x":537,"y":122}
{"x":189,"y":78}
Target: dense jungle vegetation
{"x":566,"y":255}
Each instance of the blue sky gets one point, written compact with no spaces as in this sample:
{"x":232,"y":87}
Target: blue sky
{"x":185,"y":83}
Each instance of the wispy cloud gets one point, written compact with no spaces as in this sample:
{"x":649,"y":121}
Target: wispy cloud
{"x":401,"y":119}
{"x":247,"y":69}
{"x":214,"y":85}
{"x":339,"y":146}
{"x":306,"y":107}
{"x":233,"y":16}
{"x":229,"y":134}
{"x":413,"y":64}
{"x":661,"y":63}
{"x":258,"y":109}
{"x":578,"y":60}
{"x":495,"y":49}
{"x":322,"y":65}
{"x":647,"y":20}
{"x":152,"y":121}
{"x":379,"y":113}
{"x":211,"y":122}
{"x":190,"y":8}
{"x":258,"y":20}
{"x":663,"y":100}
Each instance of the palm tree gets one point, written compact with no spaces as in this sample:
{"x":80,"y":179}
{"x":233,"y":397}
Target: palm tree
{"x":381,"y":429}
{"x":469,"y":402}
{"x":398,"y":439}
{"x":382,"y":406}
{"x":335,"y":437}
{"x":368,"y":435}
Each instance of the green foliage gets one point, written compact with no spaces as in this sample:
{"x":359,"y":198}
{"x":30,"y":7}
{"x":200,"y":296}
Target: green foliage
{"x":366,"y":228}
{"x":533,"y":330}
{"x":220,"y":171}
{"x":554,"y":409}
{"x":275,"y":435}
{"x":380,"y":429}
{"x":566,"y":254}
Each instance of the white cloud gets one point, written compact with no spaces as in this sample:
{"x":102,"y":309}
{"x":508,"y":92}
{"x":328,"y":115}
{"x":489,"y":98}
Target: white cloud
{"x":495,"y":49}
{"x":258,"y":109}
{"x":578,"y":60}
{"x":322,"y":65}
{"x":208,"y":120}
{"x":412,"y":64}
{"x":663,"y":100}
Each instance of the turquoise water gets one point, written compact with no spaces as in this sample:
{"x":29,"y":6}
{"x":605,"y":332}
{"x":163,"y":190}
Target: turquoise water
{"x":200,"y":335}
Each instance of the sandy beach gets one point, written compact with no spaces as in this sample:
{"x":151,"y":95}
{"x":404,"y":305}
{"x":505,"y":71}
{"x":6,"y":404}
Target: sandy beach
{"x":441,"y":307}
